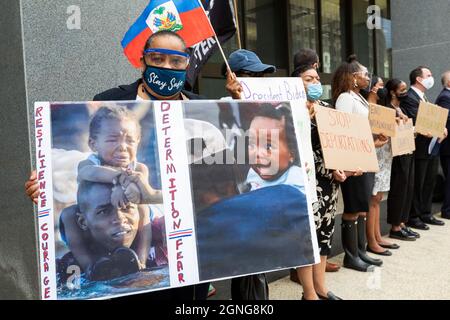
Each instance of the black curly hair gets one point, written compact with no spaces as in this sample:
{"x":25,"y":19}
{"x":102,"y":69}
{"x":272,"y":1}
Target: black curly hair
{"x":280,"y":112}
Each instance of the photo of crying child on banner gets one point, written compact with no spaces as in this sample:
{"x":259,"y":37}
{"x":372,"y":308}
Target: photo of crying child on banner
{"x":139,"y":200}
{"x":249,"y":189}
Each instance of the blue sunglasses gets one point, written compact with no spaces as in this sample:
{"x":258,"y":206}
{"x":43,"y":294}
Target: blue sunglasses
{"x":166,"y":51}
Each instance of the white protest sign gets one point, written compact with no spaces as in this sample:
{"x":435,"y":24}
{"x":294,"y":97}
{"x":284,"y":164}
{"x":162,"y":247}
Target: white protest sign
{"x":287,"y":89}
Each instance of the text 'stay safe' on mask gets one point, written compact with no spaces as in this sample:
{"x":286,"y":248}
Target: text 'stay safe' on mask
{"x":164,"y":82}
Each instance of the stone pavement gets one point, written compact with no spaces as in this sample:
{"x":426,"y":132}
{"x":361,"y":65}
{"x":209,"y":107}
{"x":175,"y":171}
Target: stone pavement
{"x":418,"y":270}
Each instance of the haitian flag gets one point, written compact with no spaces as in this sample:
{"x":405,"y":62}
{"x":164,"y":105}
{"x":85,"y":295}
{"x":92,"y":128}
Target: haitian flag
{"x":221,"y":14}
{"x":185,"y":17}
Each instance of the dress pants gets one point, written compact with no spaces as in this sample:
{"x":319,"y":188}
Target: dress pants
{"x":445,"y":163}
{"x":402,"y":188}
{"x":424,"y":182}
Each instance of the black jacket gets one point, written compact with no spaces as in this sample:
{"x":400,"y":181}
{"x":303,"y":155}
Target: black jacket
{"x":410,"y":107}
{"x":443,"y":100}
{"x":129,"y":92}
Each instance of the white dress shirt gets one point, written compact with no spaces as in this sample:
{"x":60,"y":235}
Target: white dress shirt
{"x":419,"y":92}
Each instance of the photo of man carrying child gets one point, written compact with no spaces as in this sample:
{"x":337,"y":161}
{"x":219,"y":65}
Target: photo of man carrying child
{"x":113,"y":231}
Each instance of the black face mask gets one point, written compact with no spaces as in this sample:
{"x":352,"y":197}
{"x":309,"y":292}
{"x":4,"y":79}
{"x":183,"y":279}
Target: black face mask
{"x":402,"y":96}
{"x":382,"y":93}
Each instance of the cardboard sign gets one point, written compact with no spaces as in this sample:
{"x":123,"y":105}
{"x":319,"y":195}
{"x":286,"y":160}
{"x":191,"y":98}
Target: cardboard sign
{"x":403,"y":142}
{"x":194,"y":207}
{"x":382,"y":120}
{"x":431,"y":119}
{"x":346,"y":140}
{"x":287,"y":89}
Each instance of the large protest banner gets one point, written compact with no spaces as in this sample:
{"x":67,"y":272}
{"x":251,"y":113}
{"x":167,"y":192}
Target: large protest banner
{"x":382,"y":120}
{"x":431,"y":119}
{"x":293,"y":90}
{"x":403,"y":142}
{"x":221,"y":15}
{"x":145,"y":196}
{"x":346,"y":140}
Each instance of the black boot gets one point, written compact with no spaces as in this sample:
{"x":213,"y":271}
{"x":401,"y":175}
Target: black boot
{"x":362,"y":244}
{"x":350,"y":245}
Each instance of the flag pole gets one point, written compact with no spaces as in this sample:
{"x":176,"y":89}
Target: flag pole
{"x":238,"y":31}
{"x":221,"y":51}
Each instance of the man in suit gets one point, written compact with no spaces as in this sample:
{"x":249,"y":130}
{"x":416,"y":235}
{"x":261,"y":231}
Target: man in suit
{"x":443,"y":100}
{"x":426,"y":166}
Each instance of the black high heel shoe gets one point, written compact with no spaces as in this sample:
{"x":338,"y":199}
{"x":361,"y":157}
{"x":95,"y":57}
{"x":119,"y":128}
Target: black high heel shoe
{"x":386,"y":253}
{"x":330,"y":296}
{"x":389,"y":246}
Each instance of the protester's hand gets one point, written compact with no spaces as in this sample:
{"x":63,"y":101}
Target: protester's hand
{"x":339,"y":175}
{"x":444,"y":137}
{"x":118,"y":198}
{"x":401,"y":119}
{"x":133,"y":193}
{"x":32,"y":187}
{"x":233,"y":86}
{"x":428,"y":135}
{"x":358,"y":172}
{"x":382,"y":137}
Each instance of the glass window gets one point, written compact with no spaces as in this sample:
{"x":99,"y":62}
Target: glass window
{"x":265,"y":31}
{"x":362,"y":35}
{"x":331,"y":35}
{"x":383,"y":40}
{"x":303,"y":24}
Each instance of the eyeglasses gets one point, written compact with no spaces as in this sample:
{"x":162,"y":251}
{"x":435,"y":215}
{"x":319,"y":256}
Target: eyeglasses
{"x":159,"y":57}
{"x":364,"y":73}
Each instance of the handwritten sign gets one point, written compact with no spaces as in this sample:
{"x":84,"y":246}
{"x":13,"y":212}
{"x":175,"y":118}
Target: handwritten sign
{"x":431,"y":119}
{"x":403,"y":142}
{"x":382,"y":120}
{"x":293,"y":90}
{"x":346,"y":140}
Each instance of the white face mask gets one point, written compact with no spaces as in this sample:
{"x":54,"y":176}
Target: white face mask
{"x":428,"y":83}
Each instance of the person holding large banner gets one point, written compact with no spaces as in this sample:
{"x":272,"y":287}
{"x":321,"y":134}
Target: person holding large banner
{"x":402,"y":176}
{"x":347,"y":82}
{"x":327,"y":182}
{"x":426,"y":164}
{"x":164,"y":61}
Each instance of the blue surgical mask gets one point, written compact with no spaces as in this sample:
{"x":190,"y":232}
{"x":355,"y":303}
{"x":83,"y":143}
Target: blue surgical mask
{"x":314,"y":91}
{"x":164,"y":82}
